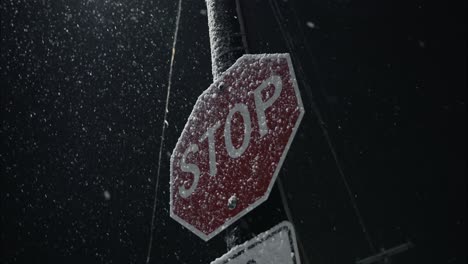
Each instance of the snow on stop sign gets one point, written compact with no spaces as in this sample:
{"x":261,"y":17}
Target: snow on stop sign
{"x":235,"y":140}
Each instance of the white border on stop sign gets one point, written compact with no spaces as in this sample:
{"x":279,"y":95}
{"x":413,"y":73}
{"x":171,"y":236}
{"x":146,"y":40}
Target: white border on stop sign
{"x":278,"y":167}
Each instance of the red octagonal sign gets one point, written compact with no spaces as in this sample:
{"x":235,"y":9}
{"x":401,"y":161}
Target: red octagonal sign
{"x":232,"y":147}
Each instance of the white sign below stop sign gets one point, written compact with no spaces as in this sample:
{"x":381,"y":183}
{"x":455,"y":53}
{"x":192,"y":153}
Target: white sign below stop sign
{"x":275,"y":246}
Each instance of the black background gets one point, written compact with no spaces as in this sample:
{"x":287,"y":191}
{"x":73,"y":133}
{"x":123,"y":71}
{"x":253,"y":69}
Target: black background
{"x":83,"y":87}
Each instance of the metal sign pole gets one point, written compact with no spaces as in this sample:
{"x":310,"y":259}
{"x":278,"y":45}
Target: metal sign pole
{"x":227,"y":40}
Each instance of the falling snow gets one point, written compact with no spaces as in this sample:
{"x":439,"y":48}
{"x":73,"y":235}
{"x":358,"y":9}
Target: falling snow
{"x":310,"y":24}
{"x":107,"y":195}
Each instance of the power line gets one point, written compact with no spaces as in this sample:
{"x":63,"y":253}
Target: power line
{"x":284,"y":200}
{"x":163,"y":130}
{"x":288,"y":39}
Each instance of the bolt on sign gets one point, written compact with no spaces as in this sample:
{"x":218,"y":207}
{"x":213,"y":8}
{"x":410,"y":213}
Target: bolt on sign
{"x":277,"y":245}
{"x":234,"y":143}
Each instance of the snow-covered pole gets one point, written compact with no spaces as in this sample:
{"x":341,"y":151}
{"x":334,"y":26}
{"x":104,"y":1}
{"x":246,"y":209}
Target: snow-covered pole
{"x":228,"y":43}
{"x":227,"y":39}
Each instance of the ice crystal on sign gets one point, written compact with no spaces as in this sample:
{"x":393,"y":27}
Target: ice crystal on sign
{"x":232,"y":202}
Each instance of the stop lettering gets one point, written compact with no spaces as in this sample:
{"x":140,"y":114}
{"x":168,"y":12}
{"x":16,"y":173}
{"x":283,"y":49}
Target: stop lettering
{"x":232,"y":147}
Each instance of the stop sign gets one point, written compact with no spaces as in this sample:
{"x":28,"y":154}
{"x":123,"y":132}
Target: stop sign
{"x":231,"y":149}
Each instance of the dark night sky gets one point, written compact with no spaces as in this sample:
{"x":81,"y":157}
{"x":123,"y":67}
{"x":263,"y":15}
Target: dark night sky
{"x":83,"y":89}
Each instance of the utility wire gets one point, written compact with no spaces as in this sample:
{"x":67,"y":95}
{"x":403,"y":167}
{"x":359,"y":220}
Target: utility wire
{"x":288,"y":39}
{"x":163,"y":130}
{"x":240,"y":17}
{"x":284,"y":200}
